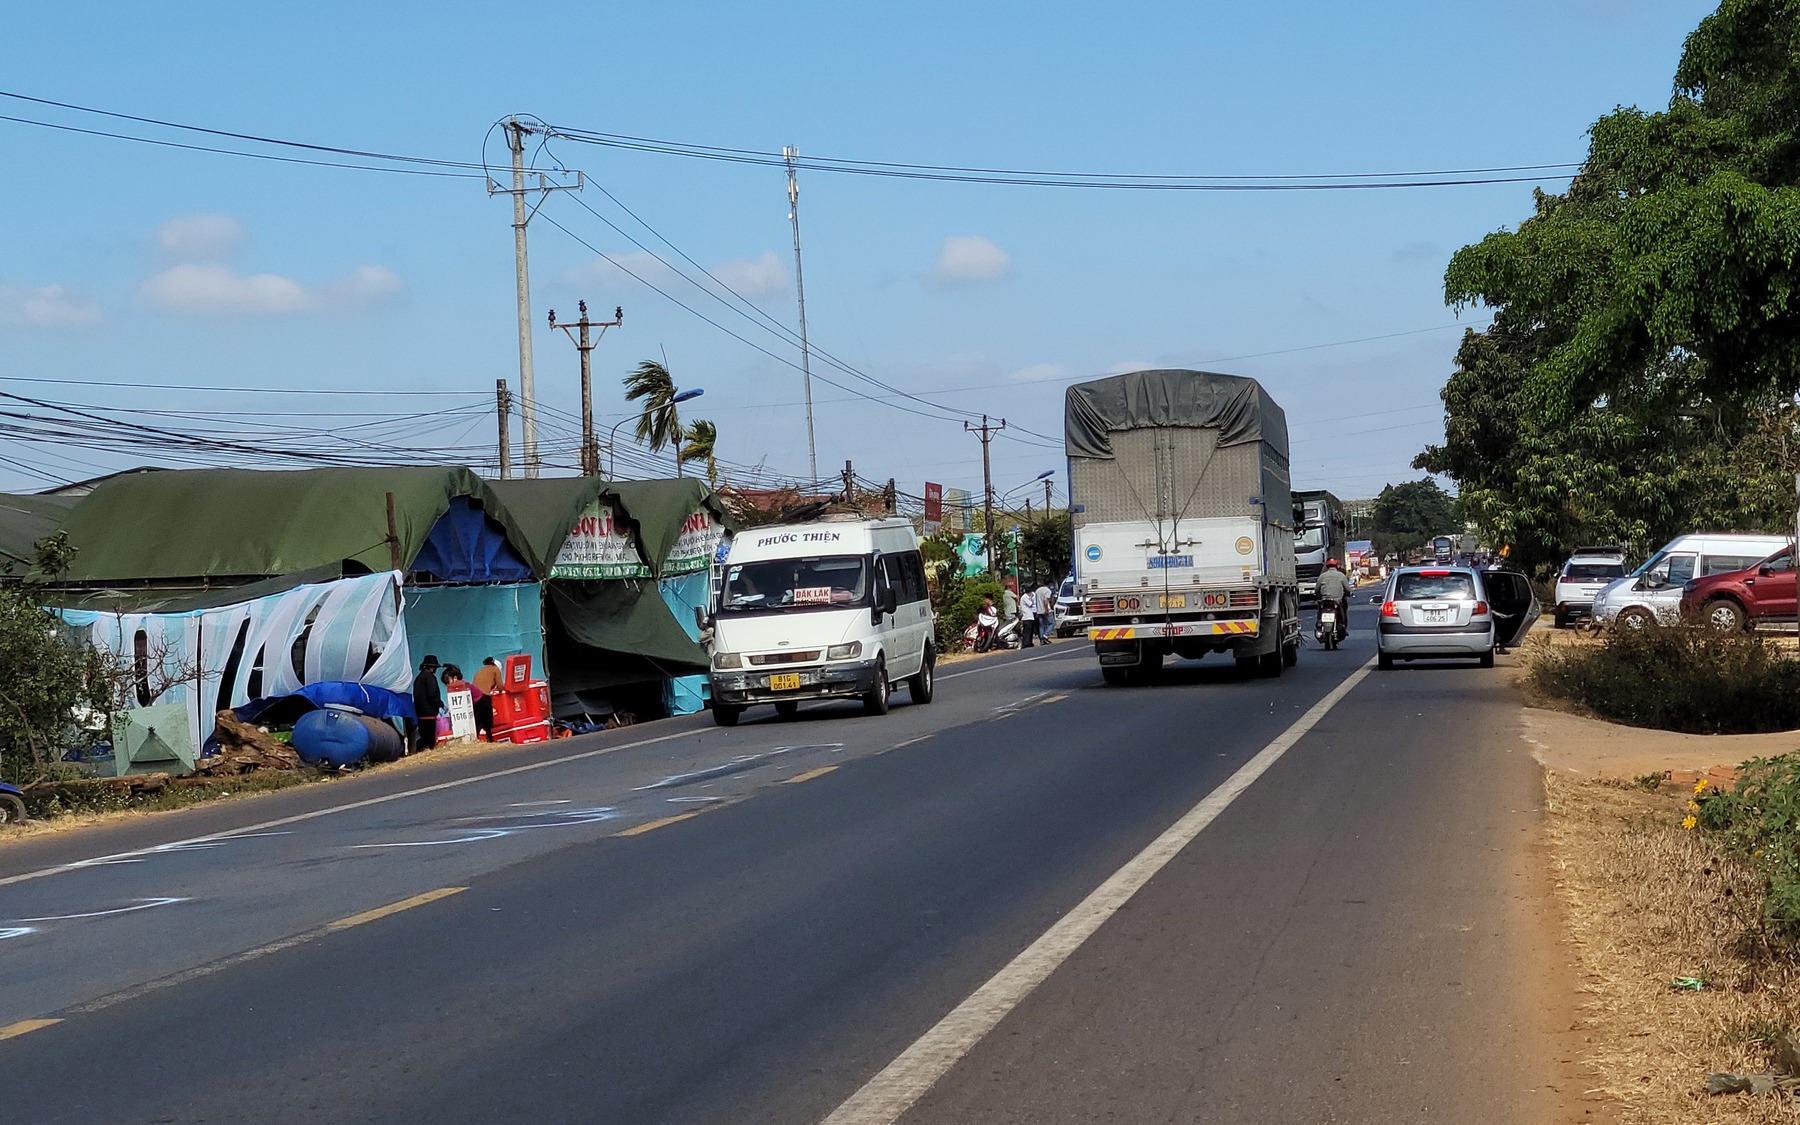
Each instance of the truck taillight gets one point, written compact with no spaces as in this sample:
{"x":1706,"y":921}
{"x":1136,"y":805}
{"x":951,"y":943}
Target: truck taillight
{"x":1389,"y":609}
{"x":1099,"y":606}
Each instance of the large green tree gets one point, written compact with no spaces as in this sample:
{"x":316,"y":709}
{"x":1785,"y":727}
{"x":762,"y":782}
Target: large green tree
{"x":1669,"y":273}
{"x":1408,"y":514}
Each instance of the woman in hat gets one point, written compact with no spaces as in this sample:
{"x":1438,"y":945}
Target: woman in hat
{"x":427,"y":702}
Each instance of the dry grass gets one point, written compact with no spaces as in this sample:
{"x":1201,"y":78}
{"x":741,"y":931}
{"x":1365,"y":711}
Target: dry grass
{"x":1647,"y":902}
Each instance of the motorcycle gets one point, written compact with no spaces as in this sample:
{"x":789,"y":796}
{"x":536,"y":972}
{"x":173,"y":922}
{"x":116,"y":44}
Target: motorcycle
{"x":987,"y":633}
{"x":1331,"y":628}
{"x":12,"y":804}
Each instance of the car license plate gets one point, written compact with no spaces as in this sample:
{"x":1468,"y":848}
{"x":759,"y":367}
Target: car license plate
{"x":788,"y":682}
{"x":1174,"y":601}
{"x":1436,"y":616}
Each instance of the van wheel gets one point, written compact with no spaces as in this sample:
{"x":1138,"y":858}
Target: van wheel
{"x":788,"y":708}
{"x":876,"y":702}
{"x":726,"y":715}
{"x":1725,"y":616}
{"x":1118,"y":675}
{"x":919,"y":687}
{"x":1636,"y":618}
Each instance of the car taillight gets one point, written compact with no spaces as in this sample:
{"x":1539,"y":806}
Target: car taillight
{"x":1389,"y":609}
{"x":1481,"y":609}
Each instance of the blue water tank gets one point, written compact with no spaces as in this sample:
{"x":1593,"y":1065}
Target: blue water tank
{"x":343,"y":738}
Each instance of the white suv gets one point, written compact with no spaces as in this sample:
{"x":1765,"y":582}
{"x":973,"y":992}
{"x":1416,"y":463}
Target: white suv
{"x":1587,"y":572}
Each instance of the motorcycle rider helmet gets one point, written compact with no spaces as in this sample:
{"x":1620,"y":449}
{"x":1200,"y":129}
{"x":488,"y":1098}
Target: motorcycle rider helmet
{"x":1331,"y":562}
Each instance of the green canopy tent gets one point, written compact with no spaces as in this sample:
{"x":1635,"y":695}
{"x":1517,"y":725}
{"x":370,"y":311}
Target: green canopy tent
{"x":24,"y":522}
{"x":152,"y":740}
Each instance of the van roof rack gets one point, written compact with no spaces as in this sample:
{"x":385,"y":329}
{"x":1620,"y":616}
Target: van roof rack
{"x":1616,"y":550}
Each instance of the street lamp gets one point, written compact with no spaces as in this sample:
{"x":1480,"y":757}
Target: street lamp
{"x":612,"y":452}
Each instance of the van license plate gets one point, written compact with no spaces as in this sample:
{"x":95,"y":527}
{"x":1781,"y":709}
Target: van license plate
{"x":784,"y":683}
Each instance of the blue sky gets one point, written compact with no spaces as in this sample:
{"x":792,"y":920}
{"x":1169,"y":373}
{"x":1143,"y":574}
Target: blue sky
{"x":153,"y":267}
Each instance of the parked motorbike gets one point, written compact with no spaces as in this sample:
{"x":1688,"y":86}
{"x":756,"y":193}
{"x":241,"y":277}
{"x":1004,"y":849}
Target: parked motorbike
{"x":1331,"y":627}
{"x":987,"y":634}
{"x":12,"y":804}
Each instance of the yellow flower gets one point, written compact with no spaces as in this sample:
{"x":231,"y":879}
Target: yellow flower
{"x":1699,"y":787}
{"x":1694,"y":805}
{"x":1689,"y":821}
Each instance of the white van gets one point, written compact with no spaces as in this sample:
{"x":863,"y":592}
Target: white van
{"x":834,"y":609}
{"x":1651,"y":594}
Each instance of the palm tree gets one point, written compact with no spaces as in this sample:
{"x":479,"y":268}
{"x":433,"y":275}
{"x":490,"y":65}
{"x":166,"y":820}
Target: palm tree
{"x":660,"y":425}
{"x":697,"y":445}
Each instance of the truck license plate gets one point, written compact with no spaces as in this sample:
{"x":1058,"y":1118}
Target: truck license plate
{"x":787,"y":682}
{"x":1174,"y":601}
{"x":1168,"y":562}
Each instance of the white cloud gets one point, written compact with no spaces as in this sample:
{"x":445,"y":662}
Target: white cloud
{"x":211,"y":289}
{"x":200,"y":238}
{"x":47,"y":306}
{"x":1038,"y":373}
{"x":970,"y":257}
{"x":598,"y":270}
{"x":757,"y":278}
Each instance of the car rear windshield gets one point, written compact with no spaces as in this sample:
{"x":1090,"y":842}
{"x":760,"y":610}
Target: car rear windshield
{"x":1426,"y":586}
{"x":1589,"y":572}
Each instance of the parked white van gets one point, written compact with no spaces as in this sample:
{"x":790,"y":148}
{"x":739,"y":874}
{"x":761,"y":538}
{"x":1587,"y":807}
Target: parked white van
{"x":833,"y":609}
{"x":1651,"y":594}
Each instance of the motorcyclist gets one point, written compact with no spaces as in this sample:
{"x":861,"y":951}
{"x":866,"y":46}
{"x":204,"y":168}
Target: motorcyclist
{"x":1334,"y":590}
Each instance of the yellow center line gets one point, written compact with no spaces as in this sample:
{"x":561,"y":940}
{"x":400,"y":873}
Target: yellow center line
{"x":14,"y":1030}
{"x":663,"y":823}
{"x":392,"y":908}
{"x":809,"y":775}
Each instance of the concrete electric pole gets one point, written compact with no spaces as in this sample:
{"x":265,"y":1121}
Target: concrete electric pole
{"x":590,"y":449}
{"x":791,"y":154}
{"x":987,"y":433}
{"x":516,"y":132}
{"x":503,"y":401}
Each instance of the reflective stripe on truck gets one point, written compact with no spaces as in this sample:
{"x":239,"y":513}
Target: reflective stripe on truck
{"x":1174,"y":629}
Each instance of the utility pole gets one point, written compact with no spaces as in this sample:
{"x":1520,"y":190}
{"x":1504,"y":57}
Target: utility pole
{"x":849,"y":481}
{"x":791,"y":154}
{"x":516,"y":132}
{"x":590,"y":449}
{"x":503,"y":400}
{"x":987,"y":433}
{"x":1046,"y":499}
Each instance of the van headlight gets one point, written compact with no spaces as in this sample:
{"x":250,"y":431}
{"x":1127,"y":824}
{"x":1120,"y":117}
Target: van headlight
{"x":844,"y":652}
{"x":725,"y":661}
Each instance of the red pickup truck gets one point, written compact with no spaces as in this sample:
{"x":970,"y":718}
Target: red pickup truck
{"x":1741,"y":599}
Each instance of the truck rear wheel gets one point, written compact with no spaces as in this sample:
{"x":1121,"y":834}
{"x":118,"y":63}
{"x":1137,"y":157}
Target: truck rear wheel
{"x":1118,"y":675}
{"x":1290,"y":654}
{"x":1269,"y":664}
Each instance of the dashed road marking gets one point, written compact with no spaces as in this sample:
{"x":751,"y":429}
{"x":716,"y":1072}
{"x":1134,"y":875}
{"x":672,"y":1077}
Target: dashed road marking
{"x":14,"y":1030}
{"x":663,"y":822}
{"x":809,"y":775}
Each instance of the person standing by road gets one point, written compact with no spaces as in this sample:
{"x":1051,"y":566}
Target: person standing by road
{"x":1027,"y":619}
{"x":487,"y":685}
{"x":1046,"y":607}
{"x":427,"y":702}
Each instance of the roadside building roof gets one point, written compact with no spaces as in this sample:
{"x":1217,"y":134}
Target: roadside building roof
{"x":653,"y":512}
{"x":24,"y":520}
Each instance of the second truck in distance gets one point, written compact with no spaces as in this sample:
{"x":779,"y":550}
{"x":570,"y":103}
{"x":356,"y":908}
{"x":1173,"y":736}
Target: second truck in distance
{"x":1182,"y":504}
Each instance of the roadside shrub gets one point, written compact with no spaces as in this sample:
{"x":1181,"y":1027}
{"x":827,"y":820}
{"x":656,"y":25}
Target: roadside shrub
{"x":956,"y":617}
{"x":1760,"y":821}
{"x":1683,"y":679}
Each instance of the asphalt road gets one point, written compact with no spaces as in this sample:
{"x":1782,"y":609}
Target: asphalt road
{"x":686,"y":924}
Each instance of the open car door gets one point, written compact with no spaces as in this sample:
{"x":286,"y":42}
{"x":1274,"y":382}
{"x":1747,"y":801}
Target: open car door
{"x":1514,"y":604}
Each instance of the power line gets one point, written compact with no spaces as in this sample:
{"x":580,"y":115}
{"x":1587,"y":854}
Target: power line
{"x":1464,"y":177}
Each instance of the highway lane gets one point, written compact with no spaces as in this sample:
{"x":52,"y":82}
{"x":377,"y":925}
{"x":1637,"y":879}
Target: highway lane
{"x":757,"y":963}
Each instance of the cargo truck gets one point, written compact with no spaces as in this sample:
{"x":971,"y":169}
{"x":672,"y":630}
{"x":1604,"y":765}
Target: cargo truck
{"x":1318,"y":538}
{"x":1183,"y":514}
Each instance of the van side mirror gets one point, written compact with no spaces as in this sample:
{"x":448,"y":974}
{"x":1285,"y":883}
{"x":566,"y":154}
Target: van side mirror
{"x":890,"y":600}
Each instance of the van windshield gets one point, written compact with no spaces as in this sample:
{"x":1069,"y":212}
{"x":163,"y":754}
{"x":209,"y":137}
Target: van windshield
{"x":792,"y":585}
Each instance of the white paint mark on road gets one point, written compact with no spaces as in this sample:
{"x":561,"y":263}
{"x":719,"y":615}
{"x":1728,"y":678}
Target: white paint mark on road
{"x":888,"y":1095}
{"x":141,"y":904}
{"x":471,"y":838}
{"x":15,"y":931}
{"x":1009,"y":664}
{"x":1020,"y":704}
{"x":531,"y":804}
{"x":173,"y":849}
{"x":559,"y":818}
{"x":743,"y":763}
{"x":349,"y":806}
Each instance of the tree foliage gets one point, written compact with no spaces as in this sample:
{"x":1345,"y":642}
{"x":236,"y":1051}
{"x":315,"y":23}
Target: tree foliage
{"x":1669,"y":272}
{"x":45,"y":676}
{"x":1406,"y":515}
{"x":659,"y":426}
{"x":1045,"y":547}
{"x":697,"y":442}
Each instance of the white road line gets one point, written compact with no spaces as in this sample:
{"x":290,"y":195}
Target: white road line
{"x":142,"y":904}
{"x":1007,"y":664}
{"x":64,"y":868}
{"x":888,"y":1095}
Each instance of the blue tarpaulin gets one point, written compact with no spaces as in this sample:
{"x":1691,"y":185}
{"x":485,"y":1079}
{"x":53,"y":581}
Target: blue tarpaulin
{"x":465,"y":545}
{"x":460,"y":625}
{"x":686,"y":695}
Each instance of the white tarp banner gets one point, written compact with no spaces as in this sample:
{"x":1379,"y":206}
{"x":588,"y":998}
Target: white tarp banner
{"x":598,"y":548}
{"x":350,"y":630}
